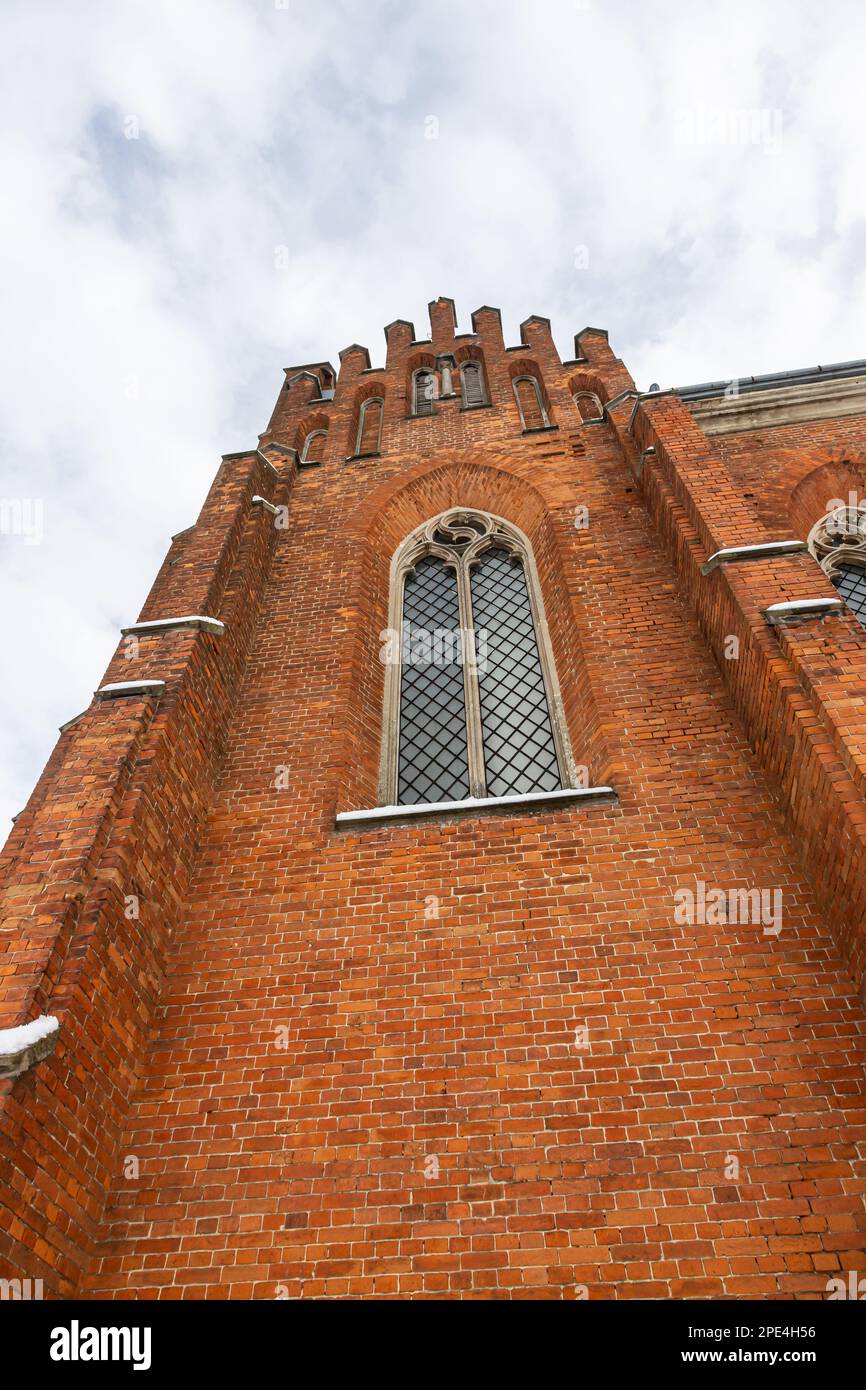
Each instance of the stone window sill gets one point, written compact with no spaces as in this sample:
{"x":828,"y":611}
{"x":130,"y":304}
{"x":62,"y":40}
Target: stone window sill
{"x":542,"y":429}
{"x":474,"y":806}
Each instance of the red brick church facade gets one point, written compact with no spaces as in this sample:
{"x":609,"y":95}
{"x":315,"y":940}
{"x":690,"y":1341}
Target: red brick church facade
{"x":479,"y":1051}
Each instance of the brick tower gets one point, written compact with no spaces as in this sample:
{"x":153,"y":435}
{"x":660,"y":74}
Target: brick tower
{"x":532,"y":968}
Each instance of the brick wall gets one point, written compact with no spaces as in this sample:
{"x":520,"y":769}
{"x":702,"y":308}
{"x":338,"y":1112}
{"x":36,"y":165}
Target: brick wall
{"x":345,"y":1063}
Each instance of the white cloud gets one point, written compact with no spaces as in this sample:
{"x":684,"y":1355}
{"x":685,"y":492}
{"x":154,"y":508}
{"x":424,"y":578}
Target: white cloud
{"x":147,"y":323}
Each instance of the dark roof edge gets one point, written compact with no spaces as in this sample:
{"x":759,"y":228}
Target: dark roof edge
{"x":802,"y":376}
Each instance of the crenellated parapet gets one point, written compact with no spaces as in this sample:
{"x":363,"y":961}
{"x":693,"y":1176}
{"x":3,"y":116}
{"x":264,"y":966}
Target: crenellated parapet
{"x":526,"y":386}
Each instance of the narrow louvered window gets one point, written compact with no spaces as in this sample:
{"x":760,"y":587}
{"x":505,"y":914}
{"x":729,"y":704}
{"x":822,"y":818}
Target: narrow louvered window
{"x":530,"y":403}
{"x":471,"y":690}
{"x":369,"y":434}
{"x":314,"y":447}
{"x":423,"y":392}
{"x":473,"y":384}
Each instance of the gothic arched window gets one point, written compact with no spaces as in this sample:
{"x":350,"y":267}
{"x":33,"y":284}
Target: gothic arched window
{"x":472,"y":379}
{"x":530,"y":403}
{"x":369,"y":434}
{"x":589,"y":407}
{"x":838,"y":543}
{"x":472,"y":702}
{"x":314,"y":448}
{"x":423,"y":391}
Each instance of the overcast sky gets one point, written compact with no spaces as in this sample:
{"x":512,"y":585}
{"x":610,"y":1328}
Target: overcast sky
{"x":197,"y":193}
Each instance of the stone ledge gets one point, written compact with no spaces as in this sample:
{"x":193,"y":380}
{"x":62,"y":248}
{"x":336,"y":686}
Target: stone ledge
{"x":119,"y":688}
{"x":565,"y":796}
{"x":800,"y":609}
{"x":21,"y":1048}
{"x":190,"y":620}
{"x":767,"y":550}
{"x":258,"y":501}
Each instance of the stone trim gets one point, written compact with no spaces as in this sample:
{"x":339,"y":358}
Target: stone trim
{"x":119,"y":688}
{"x":70,"y":724}
{"x":767,"y":550}
{"x":648,"y":453}
{"x":476,"y":805}
{"x":786,"y":405}
{"x":193,"y":620}
{"x":839,"y":538}
{"x":801,"y":609}
{"x":257,"y":501}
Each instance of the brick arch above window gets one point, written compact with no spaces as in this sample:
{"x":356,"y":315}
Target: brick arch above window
{"x":807,"y":489}
{"x":392,"y":508}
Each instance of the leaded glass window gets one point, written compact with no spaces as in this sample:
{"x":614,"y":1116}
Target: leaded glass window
{"x":472,"y":704}
{"x":433,"y":754}
{"x":838,"y":543}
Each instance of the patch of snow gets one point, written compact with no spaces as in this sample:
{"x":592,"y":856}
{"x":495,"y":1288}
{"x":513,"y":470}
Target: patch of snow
{"x":13,"y":1040}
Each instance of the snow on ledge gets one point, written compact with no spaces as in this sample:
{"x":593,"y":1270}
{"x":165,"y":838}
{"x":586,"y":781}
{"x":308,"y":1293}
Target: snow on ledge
{"x":23,"y":1047}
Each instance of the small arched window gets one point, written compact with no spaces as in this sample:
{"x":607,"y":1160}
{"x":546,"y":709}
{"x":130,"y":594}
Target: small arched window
{"x":838,"y":543}
{"x":530,"y":403}
{"x":472,"y":378}
{"x":472,"y":704}
{"x":423,"y":391}
{"x":589,"y":407}
{"x":368,"y":438}
{"x":314,"y":448}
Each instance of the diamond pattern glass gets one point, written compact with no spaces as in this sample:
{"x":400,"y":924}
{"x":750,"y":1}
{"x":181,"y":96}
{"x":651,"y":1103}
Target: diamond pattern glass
{"x":519,"y":750}
{"x":433,"y":758}
{"x":850,"y":580}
